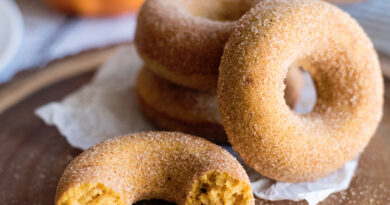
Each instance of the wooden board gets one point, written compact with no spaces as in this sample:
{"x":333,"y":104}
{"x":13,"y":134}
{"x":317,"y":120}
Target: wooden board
{"x":33,"y":155}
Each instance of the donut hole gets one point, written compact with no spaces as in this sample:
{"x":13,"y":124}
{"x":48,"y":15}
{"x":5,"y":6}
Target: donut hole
{"x":308,"y":96}
{"x":90,"y":193}
{"x":218,"y":10}
{"x":219,"y":189}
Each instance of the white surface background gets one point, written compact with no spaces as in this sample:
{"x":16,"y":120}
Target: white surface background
{"x":11,"y":31}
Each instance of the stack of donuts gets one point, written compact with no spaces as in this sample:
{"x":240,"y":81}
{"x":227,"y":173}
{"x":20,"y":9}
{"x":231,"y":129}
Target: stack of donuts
{"x":209,"y":63}
{"x":181,"y":43}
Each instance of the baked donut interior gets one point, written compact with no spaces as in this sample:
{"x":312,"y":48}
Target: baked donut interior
{"x":217,"y":188}
{"x":91,"y":193}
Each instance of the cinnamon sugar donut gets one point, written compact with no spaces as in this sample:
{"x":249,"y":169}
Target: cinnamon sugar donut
{"x":171,"y":166}
{"x":176,"y":108}
{"x":182,"y":41}
{"x":335,"y":50}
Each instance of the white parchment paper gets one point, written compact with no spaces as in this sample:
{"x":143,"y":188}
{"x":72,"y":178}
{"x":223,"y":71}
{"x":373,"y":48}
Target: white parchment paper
{"x":108,"y":107}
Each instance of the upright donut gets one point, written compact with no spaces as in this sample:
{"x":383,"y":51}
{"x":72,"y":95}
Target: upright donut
{"x":335,"y":50}
{"x":182,"y":41}
{"x":171,"y":166}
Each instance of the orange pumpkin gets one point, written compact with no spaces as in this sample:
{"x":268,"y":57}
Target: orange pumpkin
{"x":94,"y":8}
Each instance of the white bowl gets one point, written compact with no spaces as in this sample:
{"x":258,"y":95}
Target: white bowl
{"x":11,"y":31}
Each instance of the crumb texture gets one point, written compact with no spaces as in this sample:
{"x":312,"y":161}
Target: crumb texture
{"x":90,"y":194}
{"x":220,"y":189}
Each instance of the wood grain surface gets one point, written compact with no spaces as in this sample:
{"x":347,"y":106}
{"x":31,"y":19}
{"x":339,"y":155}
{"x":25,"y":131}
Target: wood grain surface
{"x":33,"y":155}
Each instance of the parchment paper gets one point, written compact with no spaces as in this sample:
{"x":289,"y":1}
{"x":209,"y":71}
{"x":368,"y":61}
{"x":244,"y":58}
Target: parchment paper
{"x":108,"y":107}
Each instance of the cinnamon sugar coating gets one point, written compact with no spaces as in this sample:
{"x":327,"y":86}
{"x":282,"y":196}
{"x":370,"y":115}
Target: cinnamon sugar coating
{"x":153,"y":165}
{"x":335,"y":50}
{"x":182,"y":41}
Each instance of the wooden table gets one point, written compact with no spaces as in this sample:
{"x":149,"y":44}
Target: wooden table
{"x":33,"y":155}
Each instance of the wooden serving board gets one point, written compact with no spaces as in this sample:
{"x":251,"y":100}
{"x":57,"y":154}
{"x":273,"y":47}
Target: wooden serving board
{"x":33,"y":155}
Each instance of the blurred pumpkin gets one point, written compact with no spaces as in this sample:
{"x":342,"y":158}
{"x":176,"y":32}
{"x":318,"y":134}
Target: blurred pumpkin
{"x":94,"y":8}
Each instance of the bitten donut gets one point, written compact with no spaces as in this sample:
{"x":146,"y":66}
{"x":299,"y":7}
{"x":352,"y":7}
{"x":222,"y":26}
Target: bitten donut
{"x":182,"y":41}
{"x":171,"y":166}
{"x":335,"y":50}
{"x":176,"y":108}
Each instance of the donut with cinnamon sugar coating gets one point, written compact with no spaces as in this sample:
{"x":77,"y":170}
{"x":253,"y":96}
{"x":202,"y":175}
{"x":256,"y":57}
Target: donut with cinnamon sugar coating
{"x":342,"y":61}
{"x":182,"y":41}
{"x":172,"y":166}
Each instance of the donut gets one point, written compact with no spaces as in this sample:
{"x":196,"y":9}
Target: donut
{"x":175,"y":108}
{"x":171,"y":166}
{"x":334,"y":49}
{"x":182,"y":41}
